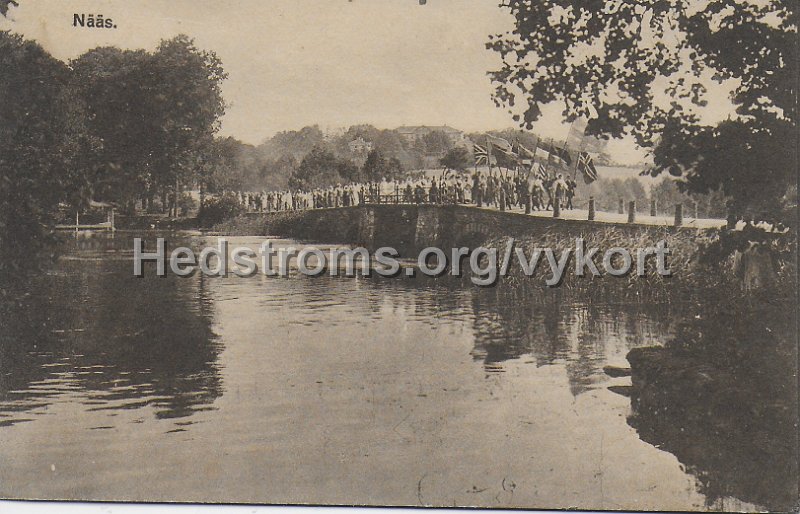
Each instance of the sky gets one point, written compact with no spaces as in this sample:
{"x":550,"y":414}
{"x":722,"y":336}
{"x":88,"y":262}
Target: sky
{"x":333,"y":63}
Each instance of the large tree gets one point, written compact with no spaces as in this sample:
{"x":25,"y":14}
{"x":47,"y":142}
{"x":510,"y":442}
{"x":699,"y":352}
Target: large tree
{"x":646,"y":68}
{"x":320,"y":168}
{"x":116,"y":88}
{"x":46,"y":156}
{"x":156,"y":113}
{"x":188,"y":107}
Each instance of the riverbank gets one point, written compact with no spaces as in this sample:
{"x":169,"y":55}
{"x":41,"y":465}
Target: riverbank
{"x":722,"y":397}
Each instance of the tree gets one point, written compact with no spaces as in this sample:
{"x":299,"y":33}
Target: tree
{"x":436,"y":143}
{"x":394,"y":169}
{"x":457,"y":159}
{"x":46,"y":155}
{"x":645,"y":69}
{"x":348,"y":171}
{"x":156,"y":114}
{"x":115,"y":87}
{"x":5,"y":4}
{"x":297,"y":143}
{"x":220,"y":167}
{"x":667,"y":194}
{"x":377,"y":167}
{"x":317,"y":169}
{"x":187,"y":101}
{"x":275,"y":174}
{"x":608,"y":193}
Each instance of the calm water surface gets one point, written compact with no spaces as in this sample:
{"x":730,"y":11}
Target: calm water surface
{"x":325,"y":390}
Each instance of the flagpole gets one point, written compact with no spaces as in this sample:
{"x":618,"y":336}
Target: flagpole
{"x":549,"y":155}
{"x":489,"y":155}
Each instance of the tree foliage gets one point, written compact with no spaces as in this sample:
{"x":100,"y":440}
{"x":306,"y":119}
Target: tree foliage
{"x":645,"y":68}
{"x":378,"y":167}
{"x":46,"y":156}
{"x":5,"y":5}
{"x":320,"y":168}
{"x":436,"y":142}
{"x":156,"y":114}
{"x":457,"y":158}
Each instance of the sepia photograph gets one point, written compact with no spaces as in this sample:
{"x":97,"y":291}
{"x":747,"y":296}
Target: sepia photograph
{"x":495,"y":254}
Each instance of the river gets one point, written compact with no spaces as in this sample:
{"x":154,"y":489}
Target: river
{"x":330,"y":390}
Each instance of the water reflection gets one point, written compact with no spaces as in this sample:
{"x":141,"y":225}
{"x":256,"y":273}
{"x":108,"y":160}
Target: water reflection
{"x":725,"y":404}
{"x":551,"y":328}
{"x":377,"y":383}
{"x":90,"y":332}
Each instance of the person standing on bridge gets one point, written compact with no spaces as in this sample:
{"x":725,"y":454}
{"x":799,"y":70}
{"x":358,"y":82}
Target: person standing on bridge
{"x":560,"y":189}
{"x":570,"y":192}
{"x":434,"y":192}
{"x":477,"y":194}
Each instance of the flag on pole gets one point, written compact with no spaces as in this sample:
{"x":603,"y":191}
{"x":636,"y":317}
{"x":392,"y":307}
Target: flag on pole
{"x":506,"y":156}
{"x":555,"y":153}
{"x":481,"y":155}
{"x":500,"y":143}
{"x":563,"y":155}
{"x":586,"y":167}
{"x":524,"y":152}
{"x":577,"y":138}
{"x":539,"y":171}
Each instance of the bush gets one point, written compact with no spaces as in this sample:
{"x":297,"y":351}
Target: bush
{"x":218,"y":209}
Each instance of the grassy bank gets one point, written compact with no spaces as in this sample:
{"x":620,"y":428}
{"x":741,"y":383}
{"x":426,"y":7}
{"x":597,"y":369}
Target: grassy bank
{"x":697,"y":268}
{"x":285,"y":224}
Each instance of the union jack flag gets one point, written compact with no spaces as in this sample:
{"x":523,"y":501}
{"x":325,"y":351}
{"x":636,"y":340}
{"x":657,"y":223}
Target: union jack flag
{"x":481,"y":155}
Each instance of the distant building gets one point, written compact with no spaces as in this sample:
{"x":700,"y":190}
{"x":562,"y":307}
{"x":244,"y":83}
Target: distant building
{"x":413,"y":134}
{"x":360,"y":146}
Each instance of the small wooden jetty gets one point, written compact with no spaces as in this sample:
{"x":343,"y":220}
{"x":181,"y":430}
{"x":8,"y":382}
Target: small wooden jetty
{"x":107,"y":225}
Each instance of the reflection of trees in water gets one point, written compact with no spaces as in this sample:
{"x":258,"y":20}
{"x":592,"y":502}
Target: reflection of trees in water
{"x":432,"y":298}
{"x":550,"y":327}
{"x":507,"y":328}
{"x":122,"y":342}
{"x":723,"y":399}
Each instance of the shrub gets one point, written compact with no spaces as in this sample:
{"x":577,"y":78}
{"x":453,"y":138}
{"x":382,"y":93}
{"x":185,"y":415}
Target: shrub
{"x":218,"y":209}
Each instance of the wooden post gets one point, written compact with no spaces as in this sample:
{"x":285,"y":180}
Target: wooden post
{"x":653,"y":207}
{"x":621,"y":207}
{"x":678,"y":215}
{"x":631,"y":212}
{"x":695,"y":211}
{"x":77,"y":222}
{"x":591,"y":208}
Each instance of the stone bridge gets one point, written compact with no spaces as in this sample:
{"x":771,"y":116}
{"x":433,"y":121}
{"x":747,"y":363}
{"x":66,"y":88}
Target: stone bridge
{"x":408,"y":227}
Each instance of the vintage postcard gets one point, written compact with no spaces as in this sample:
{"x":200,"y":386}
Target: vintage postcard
{"x":530,"y":254}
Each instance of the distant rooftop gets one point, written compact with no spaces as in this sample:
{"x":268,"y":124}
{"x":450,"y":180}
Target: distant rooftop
{"x":426,"y":128}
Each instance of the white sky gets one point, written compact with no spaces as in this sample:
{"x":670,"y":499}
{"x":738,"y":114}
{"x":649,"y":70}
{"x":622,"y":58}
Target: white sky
{"x":328,"y":62}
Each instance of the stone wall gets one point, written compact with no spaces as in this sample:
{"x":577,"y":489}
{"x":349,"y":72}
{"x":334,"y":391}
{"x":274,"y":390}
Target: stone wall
{"x":409,"y":228}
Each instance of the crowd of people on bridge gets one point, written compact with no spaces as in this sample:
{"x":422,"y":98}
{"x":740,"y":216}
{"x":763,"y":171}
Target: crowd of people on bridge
{"x":482,"y":190}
